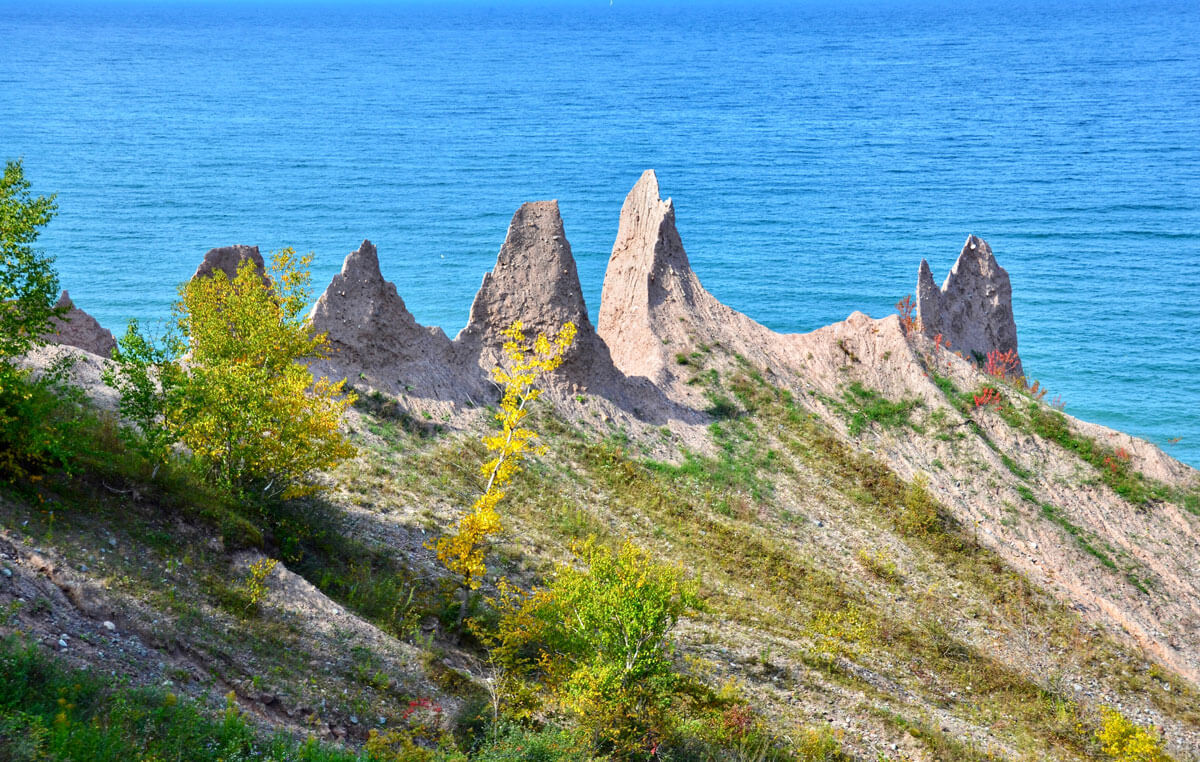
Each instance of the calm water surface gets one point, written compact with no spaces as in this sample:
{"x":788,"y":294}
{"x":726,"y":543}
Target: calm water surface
{"x":815,"y":151}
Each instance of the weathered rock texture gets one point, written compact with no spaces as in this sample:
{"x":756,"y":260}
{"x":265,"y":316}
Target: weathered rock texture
{"x":374,"y":339}
{"x":84,"y":370}
{"x":973,"y":308}
{"x":535,"y":281}
{"x":78,"y":329}
{"x":653,"y":308}
{"x":227,"y":258}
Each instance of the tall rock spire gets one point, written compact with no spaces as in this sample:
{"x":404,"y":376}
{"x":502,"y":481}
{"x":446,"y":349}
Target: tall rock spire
{"x":973,"y":308}
{"x":535,"y":281}
{"x":653,"y":307}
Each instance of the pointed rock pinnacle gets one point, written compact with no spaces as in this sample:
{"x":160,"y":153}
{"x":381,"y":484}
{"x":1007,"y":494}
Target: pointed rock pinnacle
{"x":374,"y":338}
{"x":78,"y":329}
{"x":535,"y":281}
{"x":653,"y":307}
{"x":973,"y":308}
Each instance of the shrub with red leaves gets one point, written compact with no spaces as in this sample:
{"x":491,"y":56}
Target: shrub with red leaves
{"x":738,"y":720}
{"x":908,"y":321}
{"x":1002,"y":365}
{"x":988,"y":396}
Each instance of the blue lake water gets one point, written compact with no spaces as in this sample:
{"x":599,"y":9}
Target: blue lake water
{"x":816,"y":151}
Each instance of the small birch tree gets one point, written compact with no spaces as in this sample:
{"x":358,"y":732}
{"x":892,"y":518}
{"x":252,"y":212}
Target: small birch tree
{"x":463,"y":551}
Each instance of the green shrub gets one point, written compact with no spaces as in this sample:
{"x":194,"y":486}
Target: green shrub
{"x":146,"y":376}
{"x":597,"y":639}
{"x":548,"y":744}
{"x":40,"y":421}
{"x":865,"y":406}
{"x":919,"y":516}
{"x":821,"y":745}
{"x":878,"y":564}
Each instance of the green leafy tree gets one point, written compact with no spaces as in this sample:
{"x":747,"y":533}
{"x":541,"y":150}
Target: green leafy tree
{"x":28,"y":282}
{"x":146,"y":375}
{"x":250,"y":410}
{"x":598,"y":638}
{"x":36,"y":425}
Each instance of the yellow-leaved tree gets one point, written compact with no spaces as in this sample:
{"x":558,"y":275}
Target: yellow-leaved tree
{"x":463,"y":550}
{"x":250,"y":409}
{"x":242,"y":399}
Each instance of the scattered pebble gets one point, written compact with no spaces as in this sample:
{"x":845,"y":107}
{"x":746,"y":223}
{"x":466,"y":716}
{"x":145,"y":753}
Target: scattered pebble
{"x":62,"y":643}
{"x":109,"y":626}
{"x":7,"y":572}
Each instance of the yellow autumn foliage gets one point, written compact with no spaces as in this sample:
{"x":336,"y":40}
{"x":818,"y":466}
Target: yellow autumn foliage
{"x":463,"y":550}
{"x":1124,"y":741}
{"x":248,"y":408}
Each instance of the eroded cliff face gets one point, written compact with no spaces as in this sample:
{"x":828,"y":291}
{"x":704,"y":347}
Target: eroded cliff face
{"x":376,"y":343}
{"x":661,"y":336}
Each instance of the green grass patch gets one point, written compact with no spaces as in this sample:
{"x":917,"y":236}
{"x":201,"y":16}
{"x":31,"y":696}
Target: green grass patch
{"x":1016,"y":469}
{"x":49,"y":711}
{"x":862,"y":407}
{"x":945,"y":384}
{"x":1114,"y":469}
{"x":1054,"y":514}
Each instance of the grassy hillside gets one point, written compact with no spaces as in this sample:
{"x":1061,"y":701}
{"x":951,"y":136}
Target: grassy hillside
{"x":847,"y":612}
